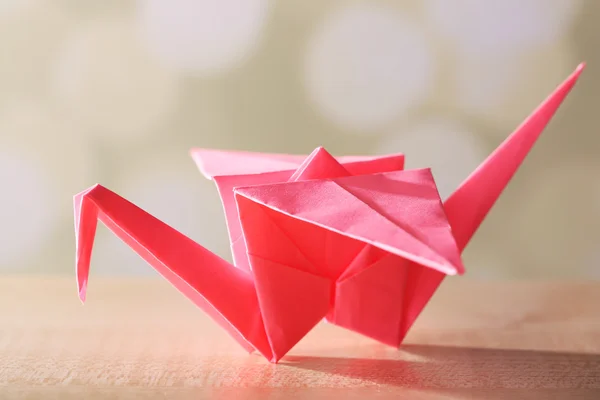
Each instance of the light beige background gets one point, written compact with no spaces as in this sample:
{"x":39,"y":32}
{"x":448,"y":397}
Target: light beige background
{"x":116,"y":92}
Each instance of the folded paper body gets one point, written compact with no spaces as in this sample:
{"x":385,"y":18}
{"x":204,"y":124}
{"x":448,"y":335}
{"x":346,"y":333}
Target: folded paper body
{"x":358,"y":241}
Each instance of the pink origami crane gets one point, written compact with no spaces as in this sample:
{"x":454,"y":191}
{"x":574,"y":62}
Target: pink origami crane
{"x":357,"y":241}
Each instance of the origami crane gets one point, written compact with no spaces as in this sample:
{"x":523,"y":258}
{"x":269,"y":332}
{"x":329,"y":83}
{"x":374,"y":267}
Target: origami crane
{"x":357,"y":241}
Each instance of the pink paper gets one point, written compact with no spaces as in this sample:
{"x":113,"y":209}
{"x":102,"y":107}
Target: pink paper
{"x":355,"y":240}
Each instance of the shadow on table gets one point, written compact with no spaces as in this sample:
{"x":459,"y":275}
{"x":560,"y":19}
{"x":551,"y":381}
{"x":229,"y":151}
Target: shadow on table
{"x":415,"y":372}
{"x":456,"y":369}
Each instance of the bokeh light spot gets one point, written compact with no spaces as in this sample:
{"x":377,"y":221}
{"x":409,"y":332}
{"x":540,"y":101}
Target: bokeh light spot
{"x":367,"y":65}
{"x":203,"y":36}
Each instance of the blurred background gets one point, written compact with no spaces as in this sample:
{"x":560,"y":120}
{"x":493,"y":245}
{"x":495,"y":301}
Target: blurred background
{"x":117,"y":92}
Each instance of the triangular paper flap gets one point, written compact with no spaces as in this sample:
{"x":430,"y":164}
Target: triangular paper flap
{"x":213,"y":162}
{"x":292,"y":302}
{"x":319,"y":164}
{"x":470,"y":203}
{"x":226,"y":184}
{"x":265,"y":239}
{"x":371,"y":302}
{"x":410,"y":199}
{"x":298,"y":244}
{"x":225,"y":293}
{"x":328,"y":204}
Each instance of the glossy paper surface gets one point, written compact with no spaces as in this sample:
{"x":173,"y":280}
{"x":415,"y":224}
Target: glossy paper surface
{"x":355,"y":240}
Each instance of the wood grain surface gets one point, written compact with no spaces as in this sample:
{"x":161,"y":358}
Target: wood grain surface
{"x":139,"y":338}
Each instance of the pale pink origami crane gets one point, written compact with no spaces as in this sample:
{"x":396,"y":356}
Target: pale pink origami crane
{"x":357,"y":241}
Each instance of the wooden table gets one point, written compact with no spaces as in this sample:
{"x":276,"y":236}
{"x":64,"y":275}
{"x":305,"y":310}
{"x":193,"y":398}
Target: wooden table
{"x":139,"y":338}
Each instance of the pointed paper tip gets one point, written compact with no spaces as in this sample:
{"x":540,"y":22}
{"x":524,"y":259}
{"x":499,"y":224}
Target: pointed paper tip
{"x":575,"y":75}
{"x":452,"y":270}
{"x":194,"y":152}
{"x":315,"y":152}
{"x":458,"y":267}
{"x":82,"y":288}
{"x":82,"y":295}
{"x":447,"y":267}
{"x":568,"y":84}
{"x":275,"y":359}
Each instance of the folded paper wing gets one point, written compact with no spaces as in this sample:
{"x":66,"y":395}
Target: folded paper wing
{"x":212,"y":163}
{"x":216,"y":165}
{"x":357,"y":241}
{"x":399,"y":212}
